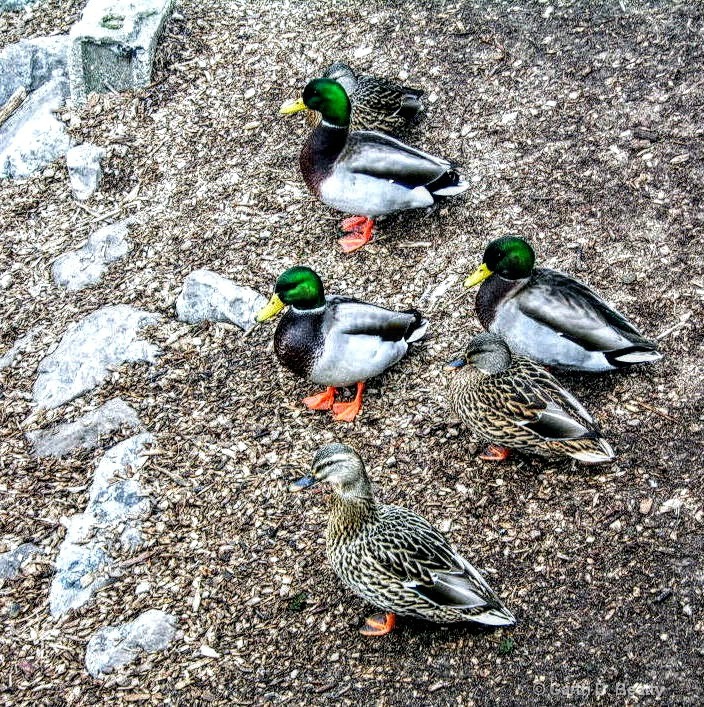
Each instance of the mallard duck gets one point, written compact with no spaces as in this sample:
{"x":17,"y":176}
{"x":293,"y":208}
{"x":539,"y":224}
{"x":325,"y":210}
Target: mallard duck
{"x":393,"y":557}
{"x":377,"y":103}
{"x":513,"y":403}
{"x":552,"y":317}
{"x":365,"y":172}
{"x":336,"y":341}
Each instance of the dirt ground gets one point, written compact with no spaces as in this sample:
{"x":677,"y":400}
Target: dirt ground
{"x":580,"y":127}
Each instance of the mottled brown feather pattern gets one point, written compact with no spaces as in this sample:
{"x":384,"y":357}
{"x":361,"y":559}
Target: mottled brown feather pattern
{"x":381,"y":551}
{"x":494,"y":406}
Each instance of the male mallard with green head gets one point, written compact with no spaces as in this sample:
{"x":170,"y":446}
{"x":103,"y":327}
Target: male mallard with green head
{"x":377,"y":103}
{"x":364,"y":172}
{"x":336,"y":341}
{"x":394,"y":558}
{"x":513,"y":403}
{"x":551,"y":317}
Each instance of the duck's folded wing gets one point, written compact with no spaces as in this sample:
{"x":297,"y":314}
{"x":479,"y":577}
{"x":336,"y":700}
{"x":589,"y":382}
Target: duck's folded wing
{"x":544,"y":407}
{"x":419,"y":556}
{"x":572,"y":310}
{"x":381,"y":156}
{"x":351,"y":316}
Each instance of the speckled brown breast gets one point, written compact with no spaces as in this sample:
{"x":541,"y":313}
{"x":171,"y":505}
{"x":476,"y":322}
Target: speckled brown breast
{"x":298,"y":340}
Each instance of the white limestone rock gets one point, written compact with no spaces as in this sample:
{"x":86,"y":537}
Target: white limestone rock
{"x":85,"y":432}
{"x":84,"y":169}
{"x":209,"y":296}
{"x":30,"y":63}
{"x":32,"y":137}
{"x":114,"y":646}
{"x":83,"y":562}
{"x":83,"y":267}
{"x":10,"y":562}
{"x":89,"y":348}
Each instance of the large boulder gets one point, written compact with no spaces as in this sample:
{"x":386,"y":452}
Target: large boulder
{"x":89,"y":349}
{"x":30,"y":63}
{"x":32,"y":137}
{"x":113,"y":45}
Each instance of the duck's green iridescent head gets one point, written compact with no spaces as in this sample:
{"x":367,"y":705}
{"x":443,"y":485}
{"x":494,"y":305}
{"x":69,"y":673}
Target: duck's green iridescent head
{"x":300,"y":287}
{"x":327,"y":97}
{"x":510,"y":257}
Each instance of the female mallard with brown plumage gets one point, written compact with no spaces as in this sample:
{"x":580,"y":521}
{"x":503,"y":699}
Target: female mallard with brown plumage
{"x":364,"y":172}
{"x":393,"y":557}
{"x":513,"y":403}
{"x":551,"y":317}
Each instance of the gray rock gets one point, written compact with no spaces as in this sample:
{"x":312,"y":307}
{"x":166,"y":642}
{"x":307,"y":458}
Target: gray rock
{"x":89,"y":348}
{"x":9,"y":357}
{"x":9,"y":5}
{"x":83,"y":563}
{"x":131,"y":539}
{"x":84,"y":169}
{"x":113,"y":45}
{"x":32,"y":137}
{"x":114,"y":646}
{"x":10,"y":562}
{"x":209,"y":296}
{"x":79,"y":268}
{"x":85,"y":431}
{"x":30,"y":63}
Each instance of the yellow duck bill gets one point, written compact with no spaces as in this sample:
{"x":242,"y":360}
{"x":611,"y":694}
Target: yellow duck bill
{"x":294,"y":105}
{"x":273,"y":308}
{"x":480,"y":274}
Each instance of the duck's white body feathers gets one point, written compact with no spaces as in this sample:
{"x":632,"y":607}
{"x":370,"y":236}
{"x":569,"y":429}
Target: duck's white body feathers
{"x":346,"y":341}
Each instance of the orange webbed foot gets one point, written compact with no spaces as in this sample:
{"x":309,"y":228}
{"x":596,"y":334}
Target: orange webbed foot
{"x":361,"y":233}
{"x":353,"y":224}
{"x":495,"y":453}
{"x":348,"y":411}
{"x":378,"y":624}
{"x":321,"y":401}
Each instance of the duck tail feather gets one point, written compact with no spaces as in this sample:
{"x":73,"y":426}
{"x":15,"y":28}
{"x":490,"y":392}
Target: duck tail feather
{"x":601,"y":452}
{"x":633,"y":354}
{"x":449,"y":183}
{"x":499,"y":616}
{"x":418,"y":328}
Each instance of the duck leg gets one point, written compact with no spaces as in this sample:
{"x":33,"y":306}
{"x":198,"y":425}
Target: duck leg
{"x":360,"y":229}
{"x":348,"y":411}
{"x":353,"y":224}
{"x":378,"y":624}
{"x":494,"y":453}
{"x":321,"y":401}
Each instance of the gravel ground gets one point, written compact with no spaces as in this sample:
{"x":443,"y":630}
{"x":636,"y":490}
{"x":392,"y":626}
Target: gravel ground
{"x":579,"y":125}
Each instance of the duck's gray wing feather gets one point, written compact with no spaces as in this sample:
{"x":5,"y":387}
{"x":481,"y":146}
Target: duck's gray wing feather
{"x":541,"y":404}
{"x":352,"y":316}
{"x":381,"y":156}
{"x":416,"y":554}
{"x":574,"y":311}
